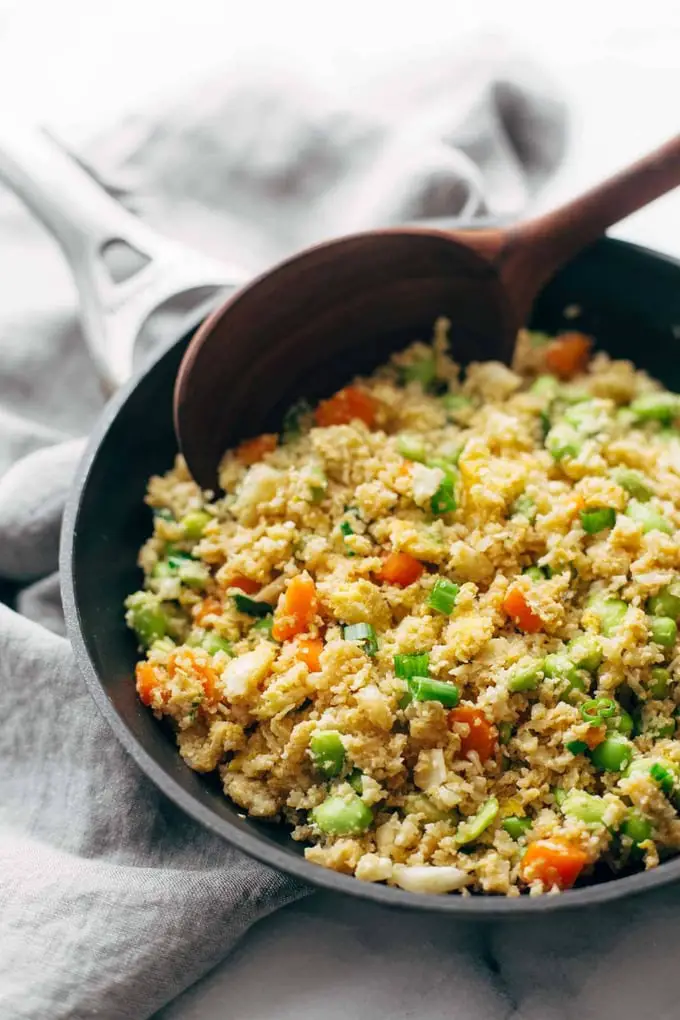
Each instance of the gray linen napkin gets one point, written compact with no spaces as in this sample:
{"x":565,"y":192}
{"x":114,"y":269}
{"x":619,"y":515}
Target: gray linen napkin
{"x":112,"y":901}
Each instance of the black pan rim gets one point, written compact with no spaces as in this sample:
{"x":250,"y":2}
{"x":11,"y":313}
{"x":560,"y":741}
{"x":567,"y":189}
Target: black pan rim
{"x":476,"y":907}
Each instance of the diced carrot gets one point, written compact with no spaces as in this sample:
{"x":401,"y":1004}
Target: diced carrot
{"x":308,"y":650}
{"x":147,"y":682}
{"x":554,"y":862}
{"x":481,"y":737}
{"x":296,"y":609}
{"x":187,"y":660}
{"x":516,"y":606}
{"x":346,"y":405}
{"x":568,"y":355}
{"x":246,"y":584}
{"x":594,"y":735}
{"x":253,"y":450}
{"x":205,"y":608}
{"x":400,"y":568}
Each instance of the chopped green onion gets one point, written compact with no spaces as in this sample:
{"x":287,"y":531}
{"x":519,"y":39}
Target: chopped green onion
{"x":443,"y":596}
{"x":559,"y":794}
{"x":663,"y":776}
{"x":661,"y":406}
{"x":650,"y":519}
{"x":193,"y":573}
{"x":663,"y":631}
{"x":356,"y":781}
{"x":406,"y":666}
{"x":535,"y":573}
{"x":411,"y":446}
{"x":363,"y":634}
{"x":545,"y":386}
{"x":660,"y":680}
{"x":585,"y":652}
{"x":444,"y":499}
{"x":456,"y":402}
{"x":613,"y":754}
{"x":424,"y":689}
{"x":264,"y":624}
{"x":526,"y":675}
{"x":194,"y":524}
{"x":633,"y":483}
{"x":146,"y":617}
{"x":593,"y":521}
{"x":346,"y":530}
{"x":342,"y":816}
{"x":292,"y":419}
{"x":212,"y":643}
{"x":524,"y":506}
{"x":474,"y":826}
{"x":424,"y":371}
{"x":251,"y":607}
{"x":505,"y":731}
{"x":596,"y":710}
{"x":516,"y":827}
{"x":328,"y":752}
{"x":563,"y":441}
{"x":164,"y":569}
{"x":576,"y":746}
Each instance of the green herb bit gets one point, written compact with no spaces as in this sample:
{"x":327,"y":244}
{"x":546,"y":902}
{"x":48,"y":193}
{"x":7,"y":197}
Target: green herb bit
{"x":576,"y":746}
{"x":423,"y":371}
{"x":443,"y":596}
{"x":472,"y":828}
{"x":596,"y":710}
{"x":251,"y":607}
{"x":212,"y":643}
{"x":264,"y":624}
{"x":364,"y":635}
{"x":444,"y":499}
{"x":663,"y":776}
{"x":356,"y":780}
{"x":505,"y":732}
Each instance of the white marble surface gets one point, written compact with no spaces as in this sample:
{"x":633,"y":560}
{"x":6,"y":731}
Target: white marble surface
{"x":79,"y":65}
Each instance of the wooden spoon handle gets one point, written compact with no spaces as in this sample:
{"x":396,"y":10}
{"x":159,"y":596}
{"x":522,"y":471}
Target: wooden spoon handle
{"x":528,"y":254}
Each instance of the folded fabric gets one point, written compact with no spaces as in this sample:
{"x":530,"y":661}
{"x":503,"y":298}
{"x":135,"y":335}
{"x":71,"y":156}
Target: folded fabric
{"x":113,"y":901}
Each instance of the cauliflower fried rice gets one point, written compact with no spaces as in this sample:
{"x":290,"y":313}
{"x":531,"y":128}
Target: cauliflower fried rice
{"x":432,"y":625}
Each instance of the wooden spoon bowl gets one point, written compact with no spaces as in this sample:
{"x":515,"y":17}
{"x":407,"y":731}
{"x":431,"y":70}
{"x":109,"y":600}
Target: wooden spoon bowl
{"x":305,"y":327}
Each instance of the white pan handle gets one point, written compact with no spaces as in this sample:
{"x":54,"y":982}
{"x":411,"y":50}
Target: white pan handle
{"x":86,"y":221}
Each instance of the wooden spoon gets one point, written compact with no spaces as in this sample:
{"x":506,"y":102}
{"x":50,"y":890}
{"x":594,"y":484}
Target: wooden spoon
{"x":305,"y":327}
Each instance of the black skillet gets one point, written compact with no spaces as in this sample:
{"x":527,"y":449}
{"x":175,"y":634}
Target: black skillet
{"x":626,"y":296}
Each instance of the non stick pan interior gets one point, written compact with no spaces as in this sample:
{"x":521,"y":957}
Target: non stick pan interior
{"x":627,"y":297}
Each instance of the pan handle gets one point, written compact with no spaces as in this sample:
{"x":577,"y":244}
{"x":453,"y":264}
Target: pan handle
{"x":95,"y":233}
